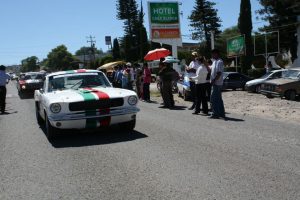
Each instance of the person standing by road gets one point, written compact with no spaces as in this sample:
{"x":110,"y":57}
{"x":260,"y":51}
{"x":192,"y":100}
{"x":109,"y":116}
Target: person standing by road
{"x":191,"y":69}
{"x":167,"y":74}
{"x":4,"y":79}
{"x":216,"y":80}
{"x":200,"y":91}
{"x":146,"y":82}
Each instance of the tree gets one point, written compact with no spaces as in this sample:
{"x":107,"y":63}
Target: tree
{"x":282,"y":17}
{"x":127,"y":11}
{"x":116,"y":50}
{"x":87,"y":50}
{"x":30,"y":64}
{"x":204,"y":19}
{"x":60,"y":59}
{"x":142,"y":35}
{"x":245,"y":27}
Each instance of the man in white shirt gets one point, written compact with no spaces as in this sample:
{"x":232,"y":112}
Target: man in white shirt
{"x":191,"y":69}
{"x":201,"y":82}
{"x":216,"y":80}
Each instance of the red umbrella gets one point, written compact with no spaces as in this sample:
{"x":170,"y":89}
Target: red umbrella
{"x":156,"y":54}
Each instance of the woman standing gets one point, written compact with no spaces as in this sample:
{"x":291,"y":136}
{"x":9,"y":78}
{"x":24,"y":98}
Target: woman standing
{"x":146,"y":82}
{"x":200,"y":88}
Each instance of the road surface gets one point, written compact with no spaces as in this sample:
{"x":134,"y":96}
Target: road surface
{"x":172,"y":154}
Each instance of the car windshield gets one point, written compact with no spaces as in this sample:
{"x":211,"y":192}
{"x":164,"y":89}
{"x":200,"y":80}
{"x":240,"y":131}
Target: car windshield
{"x":32,"y":77}
{"x":76,"y":81}
{"x":291,"y":74}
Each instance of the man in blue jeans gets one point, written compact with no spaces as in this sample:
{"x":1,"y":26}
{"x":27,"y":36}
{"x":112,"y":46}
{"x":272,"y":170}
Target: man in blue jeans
{"x":216,"y":80}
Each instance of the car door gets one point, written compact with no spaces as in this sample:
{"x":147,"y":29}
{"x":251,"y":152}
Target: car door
{"x":232,"y":81}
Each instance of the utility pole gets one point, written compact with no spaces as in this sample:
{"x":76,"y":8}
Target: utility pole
{"x":92,"y":41}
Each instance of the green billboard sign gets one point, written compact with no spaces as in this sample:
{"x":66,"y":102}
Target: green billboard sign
{"x":236,"y":46}
{"x":164,"y":12}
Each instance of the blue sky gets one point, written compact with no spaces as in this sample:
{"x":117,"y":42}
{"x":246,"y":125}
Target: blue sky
{"x":34,"y":27}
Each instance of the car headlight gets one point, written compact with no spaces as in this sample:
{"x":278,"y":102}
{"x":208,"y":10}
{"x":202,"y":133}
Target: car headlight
{"x":132,"y":100}
{"x":55,"y":107}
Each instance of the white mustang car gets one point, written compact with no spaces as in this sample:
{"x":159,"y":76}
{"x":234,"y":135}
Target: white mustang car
{"x":83,"y":99}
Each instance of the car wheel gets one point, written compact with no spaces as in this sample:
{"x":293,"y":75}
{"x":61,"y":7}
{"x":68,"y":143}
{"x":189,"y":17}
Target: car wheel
{"x":39,"y":119}
{"x":269,"y":96}
{"x":290,"y":95}
{"x":257,"y":89}
{"x":234,"y":89}
{"x":128,"y":126}
{"x":50,"y":130}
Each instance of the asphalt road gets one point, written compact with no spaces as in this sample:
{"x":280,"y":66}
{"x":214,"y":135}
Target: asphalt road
{"x":171,"y":155}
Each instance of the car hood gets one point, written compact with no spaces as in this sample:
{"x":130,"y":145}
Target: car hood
{"x":280,"y":81}
{"x":71,"y":95}
{"x":255,"y":81}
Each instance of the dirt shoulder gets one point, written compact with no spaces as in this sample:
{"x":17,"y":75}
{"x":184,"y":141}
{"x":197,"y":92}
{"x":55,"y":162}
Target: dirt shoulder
{"x":244,"y":103}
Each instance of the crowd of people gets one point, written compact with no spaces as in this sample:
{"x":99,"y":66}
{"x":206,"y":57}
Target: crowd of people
{"x":206,"y":81}
{"x":205,"y":78}
{"x":131,"y":77}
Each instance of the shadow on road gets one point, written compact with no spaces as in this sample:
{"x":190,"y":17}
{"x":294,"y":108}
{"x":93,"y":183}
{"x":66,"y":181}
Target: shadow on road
{"x":74,"y":138}
{"x":234,"y":119}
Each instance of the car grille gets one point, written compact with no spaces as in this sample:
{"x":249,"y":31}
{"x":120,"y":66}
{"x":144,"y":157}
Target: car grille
{"x":269,"y":88}
{"x":96,"y":104}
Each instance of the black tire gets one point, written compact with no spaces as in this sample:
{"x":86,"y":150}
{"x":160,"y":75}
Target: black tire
{"x":258,"y":88}
{"x":39,"y":119}
{"x":269,"y":96}
{"x":128,"y":126}
{"x":290,"y":95}
{"x":49,"y":129}
{"x":234,"y":89}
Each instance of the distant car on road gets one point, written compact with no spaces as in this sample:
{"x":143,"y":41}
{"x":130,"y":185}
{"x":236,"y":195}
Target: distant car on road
{"x":83,"y":99}
{"x":288,"y":86}
{"x":255,"y":85}
{"x":234,"y":80}
{"x":30,"y":81}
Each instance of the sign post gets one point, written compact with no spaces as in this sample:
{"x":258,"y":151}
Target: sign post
{"x":164,"y":24}
{"x":236,"y":47}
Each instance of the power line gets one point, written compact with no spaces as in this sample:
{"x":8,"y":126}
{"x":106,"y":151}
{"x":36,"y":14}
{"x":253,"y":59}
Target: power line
{"x":92,"y":41}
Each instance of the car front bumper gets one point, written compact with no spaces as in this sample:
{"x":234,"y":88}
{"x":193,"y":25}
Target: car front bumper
{"x":82,"y":120}
{"x":250,"y":88}
{"x":270,"y":93}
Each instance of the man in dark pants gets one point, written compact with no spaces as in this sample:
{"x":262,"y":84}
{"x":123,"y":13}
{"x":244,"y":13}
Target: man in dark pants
{"x":216,"y":80}
{"x":4,"y":78}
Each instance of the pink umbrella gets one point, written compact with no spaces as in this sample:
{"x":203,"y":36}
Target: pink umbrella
{"x":156,"y":54}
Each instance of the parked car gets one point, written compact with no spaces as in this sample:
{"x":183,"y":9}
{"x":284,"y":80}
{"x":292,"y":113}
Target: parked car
{"x":30,"y":81}
{"x":83,"y":99}
{"x":234,"y":80}
{"x":288,"y":86}
{"x":255,"y":85}
{"x":183,"y":85}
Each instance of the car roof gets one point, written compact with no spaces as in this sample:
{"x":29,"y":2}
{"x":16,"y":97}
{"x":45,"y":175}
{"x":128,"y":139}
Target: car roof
{"x":73,"y":72}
